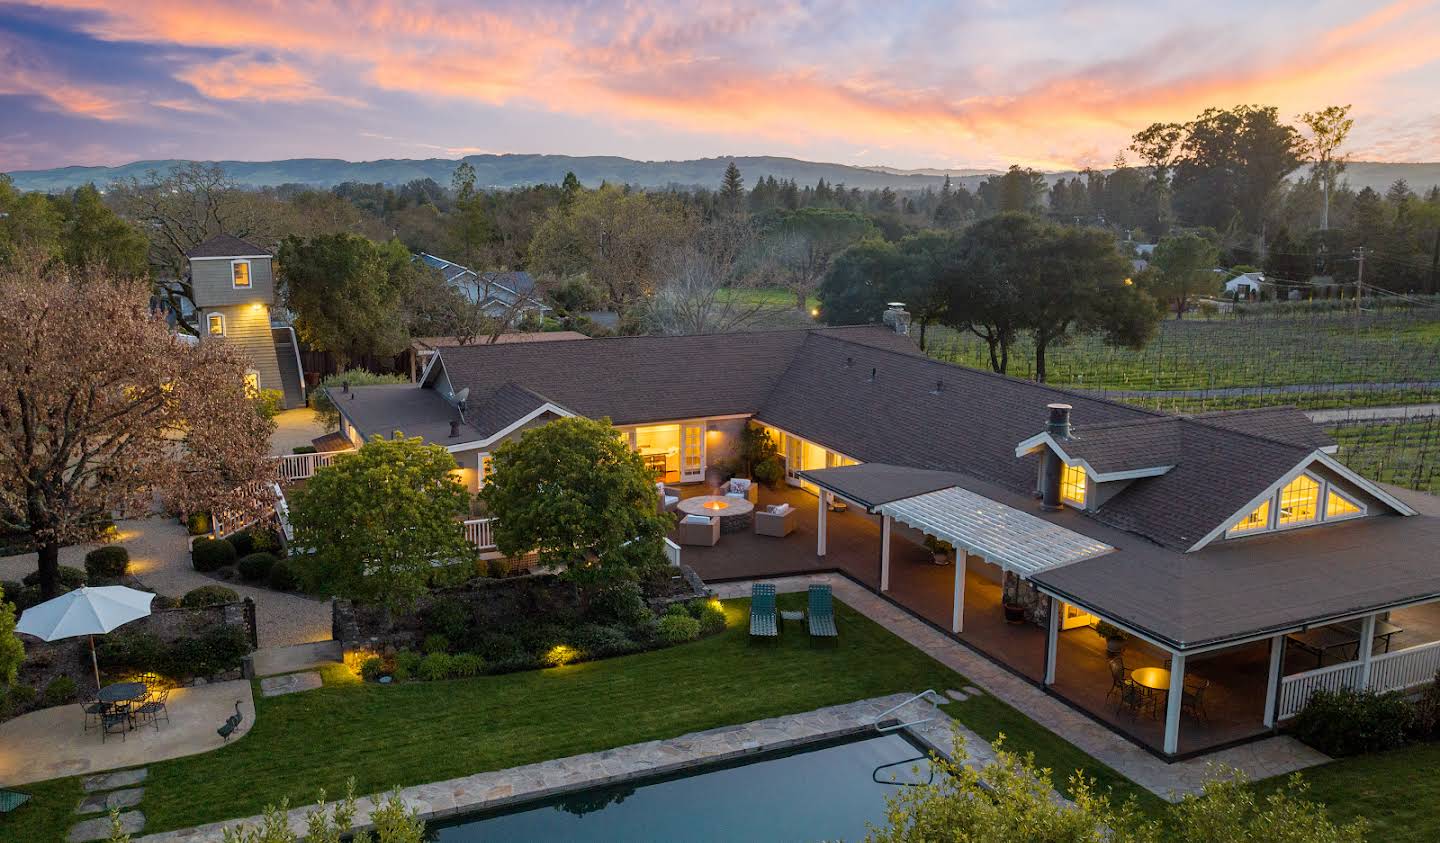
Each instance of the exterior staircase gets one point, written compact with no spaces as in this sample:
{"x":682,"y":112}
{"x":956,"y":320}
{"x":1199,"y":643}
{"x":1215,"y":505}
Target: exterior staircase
{"x":290,"y":375}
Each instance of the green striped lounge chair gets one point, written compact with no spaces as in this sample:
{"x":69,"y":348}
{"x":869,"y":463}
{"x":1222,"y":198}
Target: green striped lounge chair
{"x":12,"y":799}
{"x":763,"y":620}
{"x":821,"y":614}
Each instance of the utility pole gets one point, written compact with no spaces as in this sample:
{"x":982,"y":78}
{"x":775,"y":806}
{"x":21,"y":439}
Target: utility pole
{"x":1359,"y":278}
{"x":1435,"y":265}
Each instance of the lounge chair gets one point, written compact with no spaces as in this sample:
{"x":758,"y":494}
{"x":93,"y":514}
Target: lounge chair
{"x":740,"y":487}
{"x":763,"y":620}
{"x":12,"y":799}
{"x":667,"y":498}
{"x":821,"y":614}
{"x":698,"y":531}
{"x":777,"y":521}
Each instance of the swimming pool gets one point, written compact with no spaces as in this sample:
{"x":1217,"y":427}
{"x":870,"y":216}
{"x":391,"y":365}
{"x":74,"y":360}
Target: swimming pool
{"x":825,"y":791}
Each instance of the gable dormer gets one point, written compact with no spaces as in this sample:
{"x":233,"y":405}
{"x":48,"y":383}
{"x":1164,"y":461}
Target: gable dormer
{"x":1085,"y":467}
{"x":226,"y":270}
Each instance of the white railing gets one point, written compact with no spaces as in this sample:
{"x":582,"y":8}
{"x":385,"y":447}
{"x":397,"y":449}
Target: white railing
{"x":1295,"y":690}
{"x":303,"y":466}
{"x":282,"y":513}
{"x":1405,"y":669}
{"x":480,"y":532}
{"x":672,"y":552}
{"x":1397,"y":671}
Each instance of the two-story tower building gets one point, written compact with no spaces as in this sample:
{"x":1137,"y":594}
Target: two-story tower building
{"x":234,"y":290}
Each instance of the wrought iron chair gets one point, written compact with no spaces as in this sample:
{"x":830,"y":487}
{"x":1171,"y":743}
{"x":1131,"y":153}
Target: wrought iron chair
{"x":1117,"y":677}
{"x":153,"y":708}
{"x":92,"y":709}
{"x":1192,"y":698}
{"x":115,"y":720}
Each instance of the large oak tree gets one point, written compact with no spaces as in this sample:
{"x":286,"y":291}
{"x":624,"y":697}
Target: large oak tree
{"x":103,"y":407}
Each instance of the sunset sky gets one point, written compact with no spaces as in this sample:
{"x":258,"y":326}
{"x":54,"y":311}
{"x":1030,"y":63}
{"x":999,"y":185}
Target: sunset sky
{"x":1050,"y":83}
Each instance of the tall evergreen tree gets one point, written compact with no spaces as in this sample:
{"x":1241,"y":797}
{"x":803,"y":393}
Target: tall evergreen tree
{"x":732,"y":188}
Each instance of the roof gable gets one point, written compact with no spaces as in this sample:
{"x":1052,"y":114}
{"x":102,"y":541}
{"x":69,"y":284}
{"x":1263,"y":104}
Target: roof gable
{"x":225,"y":246}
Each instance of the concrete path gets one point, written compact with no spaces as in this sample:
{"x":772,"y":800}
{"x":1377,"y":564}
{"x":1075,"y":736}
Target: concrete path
{"x":52,"y":742}
{"x":160,"y":557}
{"x":294,"y":428}
{"x":1362,"y":414}
{"x":273,"y":661}
{"x":485,"y":791}
{"x":1259,"y":759}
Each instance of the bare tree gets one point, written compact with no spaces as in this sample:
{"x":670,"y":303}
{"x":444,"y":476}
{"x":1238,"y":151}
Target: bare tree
{"x":703,"y":283}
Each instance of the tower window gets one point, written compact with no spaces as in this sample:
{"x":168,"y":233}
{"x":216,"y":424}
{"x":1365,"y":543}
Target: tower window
{"x":215,"y":324}
{"x":240,"y":274}
{"x":1072,"y":485}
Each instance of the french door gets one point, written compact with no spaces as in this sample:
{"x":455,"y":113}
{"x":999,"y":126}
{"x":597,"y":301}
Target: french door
{"x":692,"y":452}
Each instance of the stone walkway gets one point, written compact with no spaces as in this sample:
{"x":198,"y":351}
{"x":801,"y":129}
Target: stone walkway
{"x":485,"y":791}
{"x":1358,"y":414}
{"x":294,"y":428}
{"x":1258,"y":759}
{"x":111,"y":792}
{"x":160,"y":557}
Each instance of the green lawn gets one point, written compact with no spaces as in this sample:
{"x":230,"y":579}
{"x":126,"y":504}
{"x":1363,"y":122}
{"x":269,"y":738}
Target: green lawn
{"x":1394,"y":791}
{"x":422,"y":732}
{"x":777,"y":297}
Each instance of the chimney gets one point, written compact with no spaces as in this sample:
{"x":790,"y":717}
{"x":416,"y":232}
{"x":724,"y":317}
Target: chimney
{"x":939,"y":387}
{"x":454,"y":429}
{"x":897,"y":317}
{"x":345,"y":386}
{"x":1058,"y":427}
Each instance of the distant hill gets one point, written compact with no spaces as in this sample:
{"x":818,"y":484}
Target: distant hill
{"x":501,"y":171}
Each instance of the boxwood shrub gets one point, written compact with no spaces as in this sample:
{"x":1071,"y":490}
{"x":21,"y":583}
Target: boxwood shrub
{"x":209,"y":595}
{"x":243,"y":542}
{"x":110,"y":562}
{"x":677,"y":629}
{"x":255,"y":566}
{"x":283,"y":576}
{"x":211,"y":554}
{"x":1350,"y":722}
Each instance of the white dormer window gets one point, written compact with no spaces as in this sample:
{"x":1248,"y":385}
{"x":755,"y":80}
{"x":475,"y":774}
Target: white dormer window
{"x":1298,"y":504}
{"x":240,"y":275}
{"x":252,"y":383}
{"x":215,"y":324}
{"x":1072,"y":485}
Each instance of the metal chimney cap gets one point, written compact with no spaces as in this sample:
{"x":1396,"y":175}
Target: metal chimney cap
{"x":1058,"y":406}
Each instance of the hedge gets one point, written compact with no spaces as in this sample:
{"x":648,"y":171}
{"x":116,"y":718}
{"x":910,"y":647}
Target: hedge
{"x":109,"y":562}
{"x":211,"y":554}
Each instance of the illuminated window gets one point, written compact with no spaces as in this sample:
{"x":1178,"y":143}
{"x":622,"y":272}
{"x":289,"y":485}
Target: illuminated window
{"x":1339,"y":506}
{"x":252,"y":383}
{"x":1072,"y":485}
{"x":1257,"y":520}
{"x":240,"y":274}
{"x":216,"y":323}
{"x":486,"y":466}
{"x":1300,"y":501}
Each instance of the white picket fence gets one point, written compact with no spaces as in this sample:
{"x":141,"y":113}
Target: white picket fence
{"x":672,"y":552}
{"x":1397,"y":671}
{"x":480,"y":532}
{"x":303,"y":466}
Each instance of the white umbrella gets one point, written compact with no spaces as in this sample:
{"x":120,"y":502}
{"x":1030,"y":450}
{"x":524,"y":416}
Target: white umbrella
{"x":85,"y":611}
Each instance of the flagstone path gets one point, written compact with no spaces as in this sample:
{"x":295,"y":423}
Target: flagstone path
{"x":104,"y":793}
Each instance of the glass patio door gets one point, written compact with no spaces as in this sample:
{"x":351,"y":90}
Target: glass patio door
{"x":692,"y":453}
{"x":794,"y":450}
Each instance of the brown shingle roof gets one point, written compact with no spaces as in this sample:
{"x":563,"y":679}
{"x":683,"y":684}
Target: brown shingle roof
{"x":224,"y":246}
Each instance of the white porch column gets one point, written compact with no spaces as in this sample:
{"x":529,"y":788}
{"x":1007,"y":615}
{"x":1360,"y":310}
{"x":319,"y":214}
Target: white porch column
{"x":1272,"y":688}
{"x":884,"y":553}
{"x":1052,"y":640}
{"x":957,"y":617}
{"x":1172,"y":703}
{"x":1367,"y":646}
{"x":820,"y":531}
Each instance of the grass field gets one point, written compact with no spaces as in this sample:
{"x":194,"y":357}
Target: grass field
{"x":423,"y":732}
{"x":1394,"y":791}
{"x":1403,"y":453}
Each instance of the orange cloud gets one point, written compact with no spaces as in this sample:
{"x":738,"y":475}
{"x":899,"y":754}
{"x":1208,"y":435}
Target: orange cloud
{"x":716,"y":70}
{"x":22,"y":76}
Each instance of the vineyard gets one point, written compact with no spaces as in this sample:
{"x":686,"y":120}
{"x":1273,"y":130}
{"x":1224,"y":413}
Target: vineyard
{"x":1314,"y":358}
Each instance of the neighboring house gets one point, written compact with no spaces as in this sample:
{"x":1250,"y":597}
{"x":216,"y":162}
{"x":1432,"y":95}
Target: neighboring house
{"x":1247,"y":285}
{"x":503,"y":293}
{"x":423,"y":348}
{"x":1207,"y":538}
{"x":234,"y":299}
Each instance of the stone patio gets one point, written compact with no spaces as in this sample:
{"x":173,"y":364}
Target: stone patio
{"x":1259,"y":759}
{"x":290,"y":683}
{"x":535,"y":781}
{"x":52,"y":743}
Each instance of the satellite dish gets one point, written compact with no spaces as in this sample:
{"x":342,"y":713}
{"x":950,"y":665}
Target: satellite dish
{"x":462,"y":395}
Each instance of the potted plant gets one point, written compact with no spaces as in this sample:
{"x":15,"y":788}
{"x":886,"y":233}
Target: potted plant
{"x":1114,"y":638}
{"x":939,"y":550}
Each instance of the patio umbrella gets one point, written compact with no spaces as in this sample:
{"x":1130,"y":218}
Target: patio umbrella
{"x":85,"y":611}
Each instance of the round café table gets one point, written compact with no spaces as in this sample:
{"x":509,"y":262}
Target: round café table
{"x":121,"y":692}
{"x":735,"y":514}
{"x":1155,"y":681}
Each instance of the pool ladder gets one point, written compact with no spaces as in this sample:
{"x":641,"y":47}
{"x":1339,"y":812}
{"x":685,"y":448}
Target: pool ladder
{"x":927,"y":693}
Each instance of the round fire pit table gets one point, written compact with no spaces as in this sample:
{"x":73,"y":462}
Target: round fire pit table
{"x":736,"y":514}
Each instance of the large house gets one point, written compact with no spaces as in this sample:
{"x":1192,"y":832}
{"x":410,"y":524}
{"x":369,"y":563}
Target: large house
{"x":1246,"y":564}
{"x":511,"y":294}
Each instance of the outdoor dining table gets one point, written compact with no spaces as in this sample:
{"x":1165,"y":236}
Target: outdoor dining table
{"x":1322,"y":639}
{"x":122,"y":692}
{"x":1155,"y":681}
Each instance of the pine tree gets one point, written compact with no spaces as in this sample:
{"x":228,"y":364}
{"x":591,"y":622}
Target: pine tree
{"x":732,"y":188}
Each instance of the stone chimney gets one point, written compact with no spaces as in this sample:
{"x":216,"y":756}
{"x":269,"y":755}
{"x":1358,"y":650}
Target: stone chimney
{"x":1058,"y":427}
{"x":897,"y":317}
